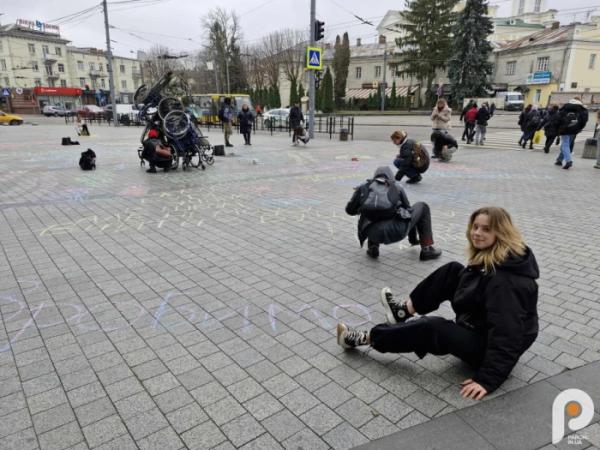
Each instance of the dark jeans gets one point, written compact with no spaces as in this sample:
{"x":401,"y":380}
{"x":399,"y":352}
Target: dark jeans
{"x":420,"y":223}
{"x":470,"y":131}
{"x":528,"y":136}
{"x":434,"y":335}
{"x":548,"y":144}
{"x":465,"y":131}
{"x":246,"y":135}
{"x":409,"y":171}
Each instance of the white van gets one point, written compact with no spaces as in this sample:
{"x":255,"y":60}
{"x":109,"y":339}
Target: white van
{"x":512,"y":100}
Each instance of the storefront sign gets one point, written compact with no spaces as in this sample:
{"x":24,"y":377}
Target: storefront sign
{"x":38,"y":26}
{"x":539,"y":77}
{"x":72,"y":92}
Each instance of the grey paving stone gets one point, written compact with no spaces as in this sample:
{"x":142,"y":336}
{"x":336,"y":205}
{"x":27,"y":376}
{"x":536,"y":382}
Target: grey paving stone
{"x":332,"y":395}
{"x":21,"y":440}
{"x":299,"y":401}
{"x":149,"y":369}
{"x":242,"y":430}
{"x":165,"y":439}
{"x":46,"y":400}
{"x":378,"y":427}
{"x":224,"y":410}
{"x":263,"y":406}
{"x":14,"y":422}
{"x":209,"y":393}
{"x":366,"y":390}
{"x":282,"y":425}
{"x":280,"y":385}
{"x":245,"y":390}
{"x":53,"y":418}
{"x":161,"y":383}
{"x":187,"y":417}
{"x":62,"y":437}
{"x":94,"y":411}
{"x":145,"y":423}
{"x":425,"y":403}
{"x":124,"y":388}
{"x":134,"y":405}
{"x":173,"y":399}
{"x":41,"y":384}
{"x":86,"y":394}
{"x":114,"y":374}
{"x":104,"y":430}
{"x":321,"y":419}
{"x":391,"y":407}
{"x":344,"y":436}
{"x":305,"y":438}
{"x":412,"y":419}
{"x":312,"y":379}
{"x":205,"y":435}
{"x":229,"y":374}
{"x":264,"y":441}
{"x":121,"y":443}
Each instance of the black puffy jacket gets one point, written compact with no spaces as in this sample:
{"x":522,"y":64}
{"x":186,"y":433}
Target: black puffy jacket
{"x":574,"y":117}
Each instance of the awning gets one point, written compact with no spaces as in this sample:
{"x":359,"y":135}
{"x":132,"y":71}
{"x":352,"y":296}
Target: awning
{"x":358,"y":93}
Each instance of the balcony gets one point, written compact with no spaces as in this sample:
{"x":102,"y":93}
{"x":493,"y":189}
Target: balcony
{"x":49,"y":59}
{"x":52,"y":76}
{"x":136,"y":74}
{"x":95,"y":73}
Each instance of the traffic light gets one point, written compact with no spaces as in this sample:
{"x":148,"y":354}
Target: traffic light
{"x":318,"y":75}
{"x":319,"y":31}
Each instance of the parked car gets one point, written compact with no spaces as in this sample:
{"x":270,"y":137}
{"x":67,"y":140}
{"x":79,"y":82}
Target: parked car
{"x":10,"y":119}
{"x":57,"y":110}
{"x":90,"y":111}
{"x":276,"y":117}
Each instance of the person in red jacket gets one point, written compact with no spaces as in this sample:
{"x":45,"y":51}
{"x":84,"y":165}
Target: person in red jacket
{"x":471,"y":120}
{"x":494,"y":298}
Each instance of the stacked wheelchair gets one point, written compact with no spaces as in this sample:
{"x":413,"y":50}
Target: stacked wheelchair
{"x":175,"y":127}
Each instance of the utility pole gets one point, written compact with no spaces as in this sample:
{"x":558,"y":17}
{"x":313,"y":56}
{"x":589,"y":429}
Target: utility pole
{"x":383,"y":84}
{"x":311,"y":75}
{"x":111,"y":78}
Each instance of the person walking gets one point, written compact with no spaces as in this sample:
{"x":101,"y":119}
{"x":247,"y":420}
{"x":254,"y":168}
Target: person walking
{"x":550,"y":125}
{"x":523,"y":121}
{"x":482,"y":117}
{"x":494,"y":299}
{"x":573,"y":119}
{"x":462,"y":118}
{"x":246,"y":119}
{"x":404,"y":160}
{"x":386,"y":216}
{"x":471,"y":120}
{"x":440,"y":116}
{"x":533,"y":122}
{"x":597,"y":136}
{"x":296,"y":119}
{"x":492,"y":109}
{"x":226,"y":116}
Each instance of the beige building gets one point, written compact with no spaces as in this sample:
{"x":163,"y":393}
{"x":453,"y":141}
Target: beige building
{"x":38,"y":64}
{"x":559,"y":58}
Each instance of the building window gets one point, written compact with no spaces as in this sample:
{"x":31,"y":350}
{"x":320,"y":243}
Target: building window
{"x":58,"y":51}
{"x":63,"y":83}
{"x":537,"y":6}
{"x":34,"y":66}
{"x":574,"y":85}
{"x":124,"y":84}
{"x":358,"y":73}
{"x":521,"y":6}
{"x":2,"y":64}
{"x":122,"y":68}
{"x":45,"y":50}
{"x":510,"y":67}
{"x":102,"y":82}
{"x":80,"y":65}
{"x":543,"y":63}
{"x":377,"y":71}
{"x":92,"y":67}
{"x":51,"y":82}
{"x":48,"y":69}
{"x":100,"y":67}
{"x":82,"y":82}
{"x":38,"y":81}
{"x":61,"y":68}
{"x":592,"y":64}
{"x":538,"y":95}
{"x":31,"y":48}
{"x":6,"y":81}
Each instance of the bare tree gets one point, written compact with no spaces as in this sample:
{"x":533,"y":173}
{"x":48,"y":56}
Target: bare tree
{"x":293,"y":53}
{"x":156,"y":62}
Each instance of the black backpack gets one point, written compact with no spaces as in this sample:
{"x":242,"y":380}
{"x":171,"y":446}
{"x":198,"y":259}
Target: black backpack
{"x":88,"y":160}
{"x":381,"y":200}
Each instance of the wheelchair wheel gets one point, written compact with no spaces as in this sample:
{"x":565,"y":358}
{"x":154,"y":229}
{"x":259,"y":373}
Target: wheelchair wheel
{"x":208,"y":156}
{"x":140,"y":95}
{"x":167,"y":105}
{"x":176,"y":124}
{"x":175,"y":162}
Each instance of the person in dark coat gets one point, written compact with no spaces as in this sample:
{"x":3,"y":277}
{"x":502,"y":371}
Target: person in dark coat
{"x":246,"y":119}
{"x":533,"y":122}
{"x":296,"y":119}
{"x":492,"y":109}
{"x":481,"y":119}
{"x":404,"y":159}
{"x":573,"y":119}
{"x":444,"y":145}
{"x":414,"y":221}
{"x":523,"y":121}
{"x":156,"y":152}
{"x":551,"y":124}
{"x":494,"y":299}
{"x":462,"y":117}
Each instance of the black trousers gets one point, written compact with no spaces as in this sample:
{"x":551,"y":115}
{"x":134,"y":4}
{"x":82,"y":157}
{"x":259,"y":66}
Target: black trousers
{"x":470,"y":131}
{"x":465,"y":131}
{"x":434,"y":335}
{"x":420,"y":222}
{"x":548,"y":144}
{"x":247,"y":135}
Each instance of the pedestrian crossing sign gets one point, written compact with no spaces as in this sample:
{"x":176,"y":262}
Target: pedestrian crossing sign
{"x":313,"y":58}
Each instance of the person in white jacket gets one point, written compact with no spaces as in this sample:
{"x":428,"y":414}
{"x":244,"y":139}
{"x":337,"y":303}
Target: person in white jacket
{"x":441,"y":115}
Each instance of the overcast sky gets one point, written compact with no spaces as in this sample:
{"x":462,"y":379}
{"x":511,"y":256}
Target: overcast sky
{"x":176,"y":23}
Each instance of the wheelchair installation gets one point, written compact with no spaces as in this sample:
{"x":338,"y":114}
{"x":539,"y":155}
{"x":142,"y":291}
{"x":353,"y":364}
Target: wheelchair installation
{"x":175,"y":128}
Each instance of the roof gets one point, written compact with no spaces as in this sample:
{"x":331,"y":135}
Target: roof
{"x":27,"y":33}
{"x":517,"y":23}
{"x":546,"y":36}
{"x":401,"y":91}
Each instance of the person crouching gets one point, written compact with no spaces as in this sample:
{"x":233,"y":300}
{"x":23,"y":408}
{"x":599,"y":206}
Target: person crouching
{"x":404,"y":159}
{"x":157,"y":153}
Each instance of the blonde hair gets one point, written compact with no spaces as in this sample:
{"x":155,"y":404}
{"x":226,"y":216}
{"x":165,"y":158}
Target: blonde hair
{"x":441,"y":103}
{"x":508,"y":239}
{"x":398,"y":135}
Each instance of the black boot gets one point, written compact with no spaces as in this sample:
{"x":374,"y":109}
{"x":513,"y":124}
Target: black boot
{"x":372,"y":249}
{"x":429,"y":252}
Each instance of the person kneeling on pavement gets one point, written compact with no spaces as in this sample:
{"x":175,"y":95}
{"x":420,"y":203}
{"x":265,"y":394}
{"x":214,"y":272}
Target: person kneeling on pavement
{"x":444,"y":145}
{"x":404,"y":161}
{"x":386,"y":216}
{"x":494,"y":299}
{"x":156,"y":153}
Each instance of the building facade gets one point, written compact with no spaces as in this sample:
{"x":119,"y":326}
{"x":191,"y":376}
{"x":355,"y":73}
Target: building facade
{"x":36,"y":62}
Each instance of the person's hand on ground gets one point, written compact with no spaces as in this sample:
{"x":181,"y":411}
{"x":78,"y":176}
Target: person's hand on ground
{"x":472,"y":390}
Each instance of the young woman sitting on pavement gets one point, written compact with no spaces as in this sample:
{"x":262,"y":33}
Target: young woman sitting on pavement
{"x":494,"y":299}
{"x":403,"y":219}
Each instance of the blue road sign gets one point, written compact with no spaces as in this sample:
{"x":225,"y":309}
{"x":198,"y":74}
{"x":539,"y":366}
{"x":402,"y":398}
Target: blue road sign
{"x":5,"y":92}
{"x":313,"y":58}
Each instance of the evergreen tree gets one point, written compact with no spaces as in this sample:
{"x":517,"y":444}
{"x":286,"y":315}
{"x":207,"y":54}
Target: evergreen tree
{"x":293,"y":92}
{"x":301,"y":92}
{"x":393,"y":98}
{"x":328,"y":100}
{"x":426,"y":45}
{"x":341,"y":63}
{"x":470,"y":66}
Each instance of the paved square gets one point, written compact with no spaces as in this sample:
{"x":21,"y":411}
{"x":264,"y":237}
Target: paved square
{"x":197,"y":309}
